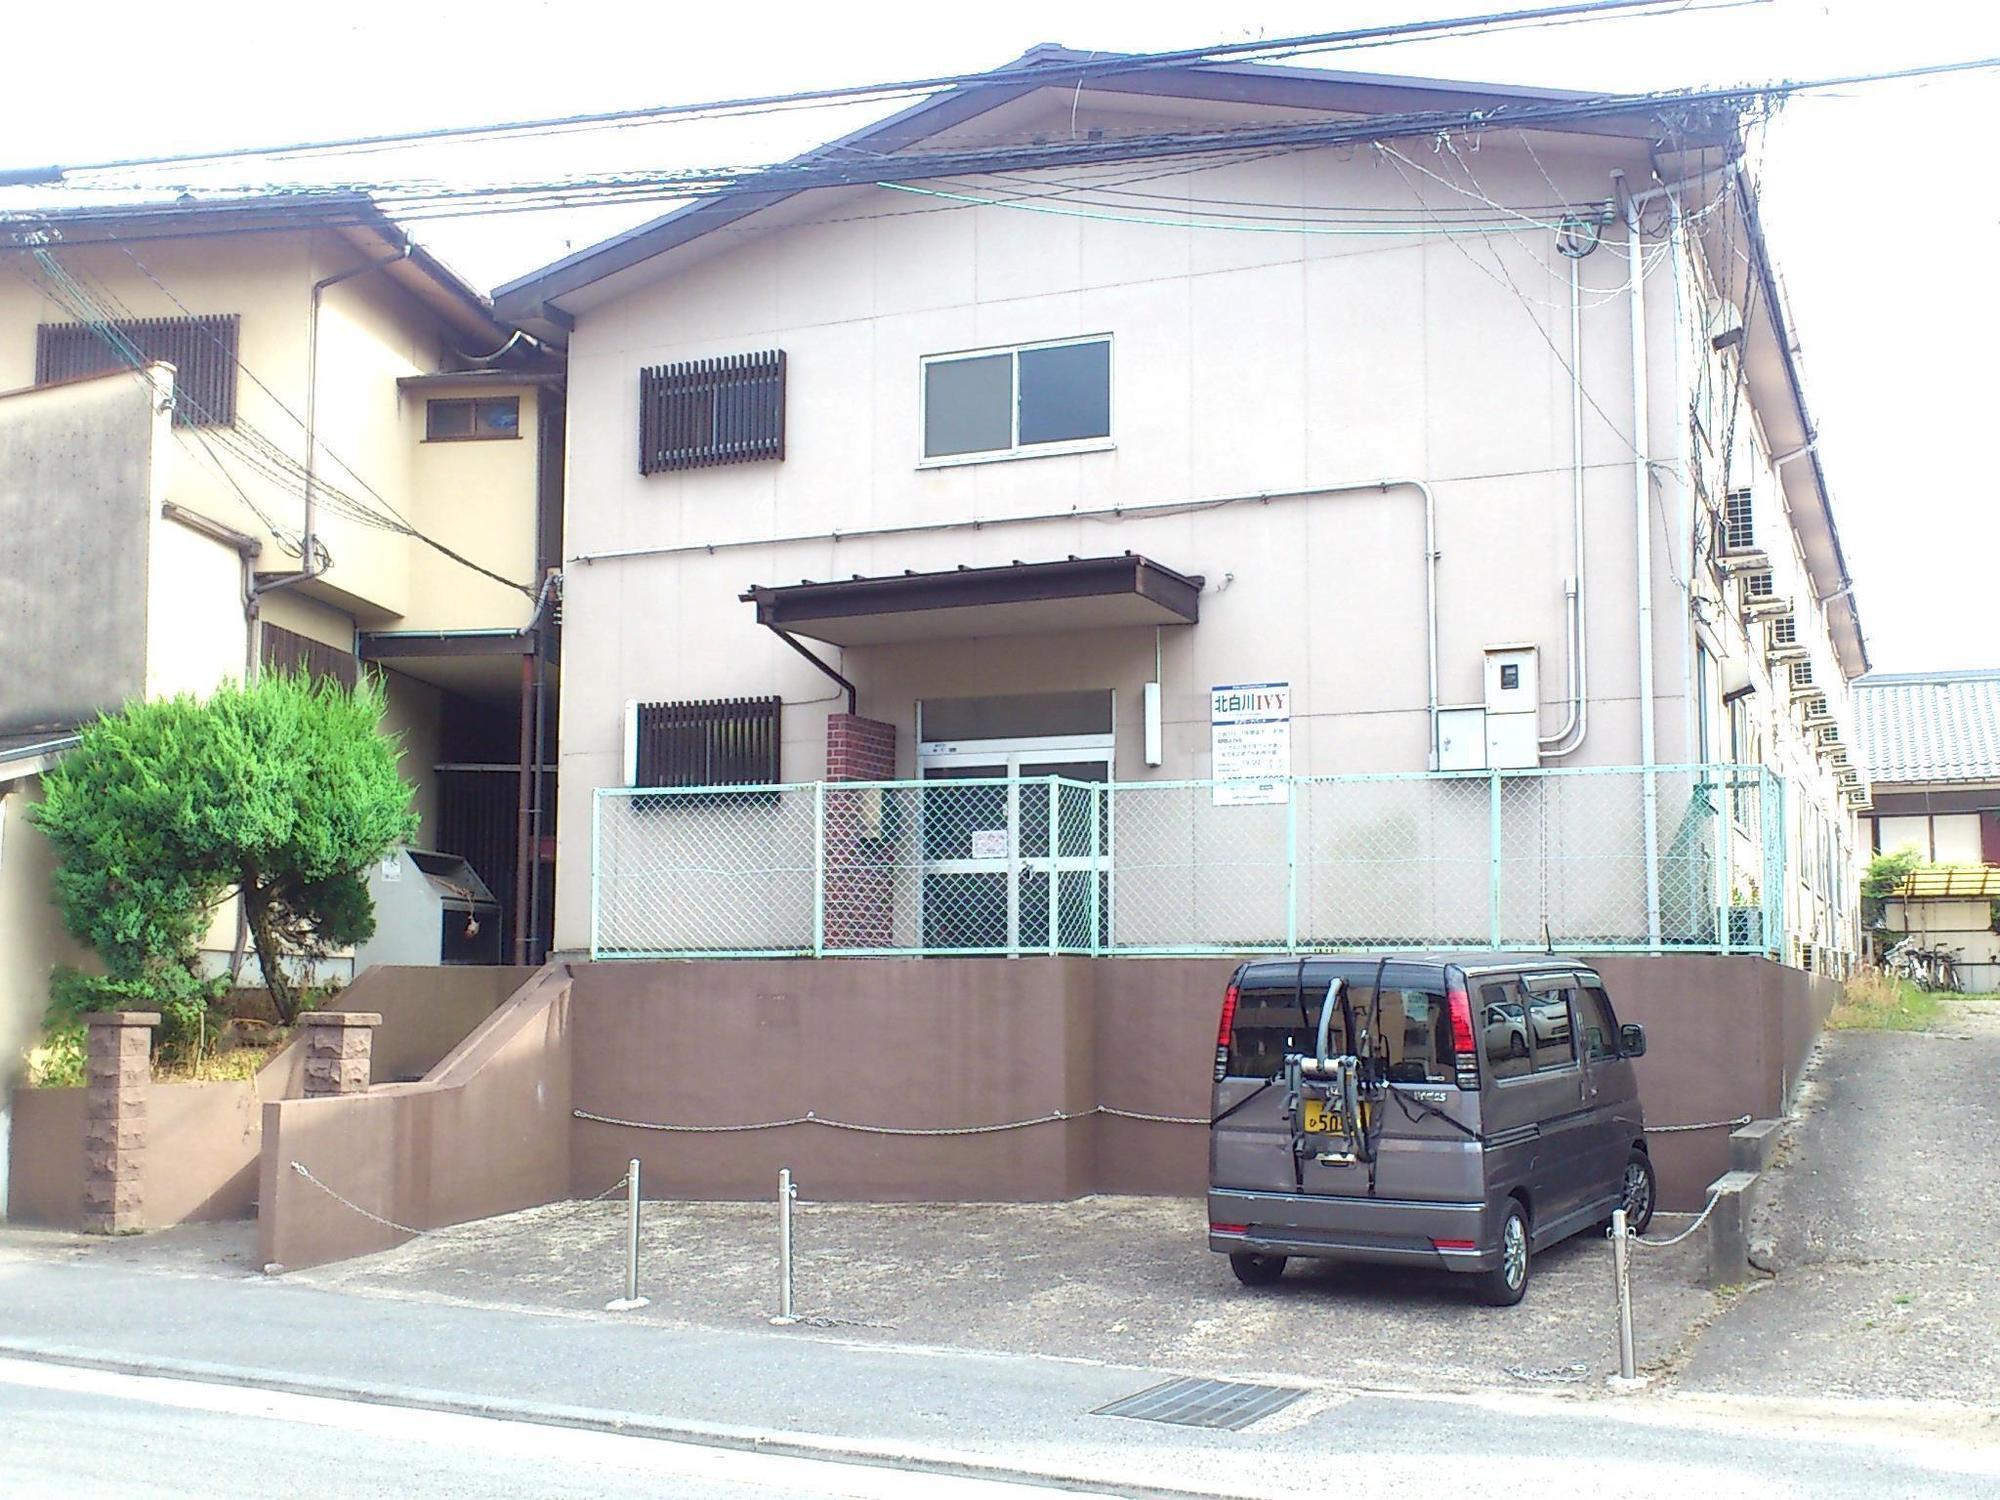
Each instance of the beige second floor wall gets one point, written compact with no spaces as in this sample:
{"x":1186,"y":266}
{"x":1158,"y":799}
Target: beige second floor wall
{"x":1242,"y":363}
{"x":478,"y":499}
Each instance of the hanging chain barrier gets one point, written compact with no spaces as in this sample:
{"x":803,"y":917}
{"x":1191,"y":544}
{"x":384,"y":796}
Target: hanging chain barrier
{"x":1053,"y":1117}
{"x":1736,"y":1124}
{"x":1700,"y":1219}
{"x":386,"y":1223}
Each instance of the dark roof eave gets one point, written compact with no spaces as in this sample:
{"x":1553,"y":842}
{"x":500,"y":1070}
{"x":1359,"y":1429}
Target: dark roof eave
{"x":1008,"y":583}
{"x":1277,"y":87}
{"x":1767,"y":277}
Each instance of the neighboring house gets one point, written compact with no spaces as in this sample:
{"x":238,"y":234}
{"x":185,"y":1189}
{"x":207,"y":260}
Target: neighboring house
{"x":270,"y":432}
{"x":1931,"y":741}
{"x":1050,"y":428}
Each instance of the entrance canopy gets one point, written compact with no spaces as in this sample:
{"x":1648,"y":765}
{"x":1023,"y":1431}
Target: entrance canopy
{"x":1078,"y":593}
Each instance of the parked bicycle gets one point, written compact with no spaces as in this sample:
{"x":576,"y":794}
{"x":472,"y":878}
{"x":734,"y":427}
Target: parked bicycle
{"x":1926,"y":968}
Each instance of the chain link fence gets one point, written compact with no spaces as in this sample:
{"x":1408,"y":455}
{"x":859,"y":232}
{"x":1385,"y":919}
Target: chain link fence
{"x":1681,"y":858}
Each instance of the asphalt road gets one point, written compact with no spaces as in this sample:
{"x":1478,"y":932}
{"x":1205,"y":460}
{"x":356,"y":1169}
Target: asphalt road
{"x":294,"y":1391}
{"x":71,"y":1432}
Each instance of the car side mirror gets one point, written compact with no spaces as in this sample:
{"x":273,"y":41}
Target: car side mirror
{"x":1631,"y":1040}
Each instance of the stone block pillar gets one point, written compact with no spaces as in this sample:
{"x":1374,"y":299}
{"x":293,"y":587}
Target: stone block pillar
{"x":118,"y":1075}
{"x":339,"y":1047}
{"x":860,"y":878}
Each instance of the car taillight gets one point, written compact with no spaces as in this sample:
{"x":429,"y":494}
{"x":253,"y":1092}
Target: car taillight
{"x":1465,"y":1052}
{"x":1454,"y":1244}
{"x":1214,"y":1228}
{"x":1222,"y":1031}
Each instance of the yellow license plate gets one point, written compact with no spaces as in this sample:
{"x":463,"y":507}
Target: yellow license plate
{"x":1319,"y":1119}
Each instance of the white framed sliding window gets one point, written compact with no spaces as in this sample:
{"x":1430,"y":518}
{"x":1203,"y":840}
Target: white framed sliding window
{"x":1015,"y":401}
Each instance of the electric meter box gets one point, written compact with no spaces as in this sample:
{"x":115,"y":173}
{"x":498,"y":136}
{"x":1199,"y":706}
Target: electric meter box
{"x":1513,"y":704}
{"x":1461,"y":739}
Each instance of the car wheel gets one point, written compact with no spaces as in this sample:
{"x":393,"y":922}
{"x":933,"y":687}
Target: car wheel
{"x":1256,"y":1270}
{"x":1517,"y":1045}
{"x":1507,"y":1282}
{"x":1638,"y":1191}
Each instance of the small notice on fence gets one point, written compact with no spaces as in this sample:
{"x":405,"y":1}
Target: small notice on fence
{"x":989,"y":843}
{"x":1250,"y":742}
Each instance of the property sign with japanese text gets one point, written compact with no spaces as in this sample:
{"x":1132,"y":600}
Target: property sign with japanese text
{"x":1250,"y":742}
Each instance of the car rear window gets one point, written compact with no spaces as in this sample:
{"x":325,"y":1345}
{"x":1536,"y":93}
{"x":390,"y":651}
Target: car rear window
{"x":1271,"y":1022}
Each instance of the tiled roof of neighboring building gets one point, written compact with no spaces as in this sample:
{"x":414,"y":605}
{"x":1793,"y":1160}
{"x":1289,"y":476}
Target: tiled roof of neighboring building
{"x":1930,"y":726}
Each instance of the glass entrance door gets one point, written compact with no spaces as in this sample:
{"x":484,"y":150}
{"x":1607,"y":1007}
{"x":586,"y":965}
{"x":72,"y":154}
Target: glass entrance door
{"x":1011,"y":862}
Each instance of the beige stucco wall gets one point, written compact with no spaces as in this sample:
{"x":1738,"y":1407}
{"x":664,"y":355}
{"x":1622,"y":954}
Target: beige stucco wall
{"x":415,"y":714}
{"x":81,"y":476}
{"x":371,"y":332}
{"x":33,"y":940}
{"x":1242,"y":364}
{"x":476,"y":489}
{"x":195,"y":630}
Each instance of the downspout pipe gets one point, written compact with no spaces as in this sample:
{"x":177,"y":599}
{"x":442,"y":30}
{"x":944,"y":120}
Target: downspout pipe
{"x":309,"y":551}
{"x":1643,"y":552}
{"x":1576,"y":723}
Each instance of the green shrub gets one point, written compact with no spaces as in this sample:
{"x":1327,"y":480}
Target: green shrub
{"x":282,"y":792}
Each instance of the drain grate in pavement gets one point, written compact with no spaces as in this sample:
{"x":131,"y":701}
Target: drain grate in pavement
{"x":1191,"y":1401}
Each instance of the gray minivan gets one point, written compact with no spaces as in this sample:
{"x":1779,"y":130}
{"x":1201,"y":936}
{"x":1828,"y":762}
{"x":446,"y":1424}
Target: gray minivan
{"x":1455,"y":1110}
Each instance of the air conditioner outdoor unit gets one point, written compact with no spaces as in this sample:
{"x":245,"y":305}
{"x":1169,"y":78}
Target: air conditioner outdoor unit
{"x":1764,"y":607}
{"x":1747,"y":560}
{"x":1779,"y":656}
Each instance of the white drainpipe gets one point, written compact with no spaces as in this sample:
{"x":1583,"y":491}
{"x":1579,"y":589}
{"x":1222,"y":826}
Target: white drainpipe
{"x":1642,"y":508}
{"x":1576,"y":678}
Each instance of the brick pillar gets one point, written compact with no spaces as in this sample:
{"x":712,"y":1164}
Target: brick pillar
{"x":118,"y":1074}
{"x":860,"y":878}
{"x":338,"y":1048}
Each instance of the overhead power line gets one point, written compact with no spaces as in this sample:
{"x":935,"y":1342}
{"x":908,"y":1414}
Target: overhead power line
{"x":412,"y":202}
{"x":1066,"y":72}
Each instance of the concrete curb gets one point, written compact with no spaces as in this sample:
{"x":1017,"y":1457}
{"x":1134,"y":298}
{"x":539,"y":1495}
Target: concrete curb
{"x":941,"y":1462}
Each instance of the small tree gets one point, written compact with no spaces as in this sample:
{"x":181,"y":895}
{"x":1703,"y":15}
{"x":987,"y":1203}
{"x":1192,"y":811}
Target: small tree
{"x":1886,"y":873}
{"x":282,"y":792}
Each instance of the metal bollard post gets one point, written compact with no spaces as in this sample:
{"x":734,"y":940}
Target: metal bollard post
{"x":632,"y":1230}
{"x":1621,"y":1266}
{"x":786,"y":1193}
{"x":631,"y":1299}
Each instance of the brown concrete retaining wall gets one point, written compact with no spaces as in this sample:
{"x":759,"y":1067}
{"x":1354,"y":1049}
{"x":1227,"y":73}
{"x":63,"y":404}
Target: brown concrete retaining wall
{"x":425,"y":1011}
{"x":1725,"y":1037}
{"x":485,"y":1133}
{"x":45,"y":1158}
{"x":203,"y":1139}
{"x":951,"y":1042}
{"x":910,"y":1044}
{"x":907,"y":1043}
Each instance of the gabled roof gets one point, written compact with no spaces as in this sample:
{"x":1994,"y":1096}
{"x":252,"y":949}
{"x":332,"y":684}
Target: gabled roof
{"x":1929,"y":726}
{"x":855,"y":158}
{"x":351,"y":215}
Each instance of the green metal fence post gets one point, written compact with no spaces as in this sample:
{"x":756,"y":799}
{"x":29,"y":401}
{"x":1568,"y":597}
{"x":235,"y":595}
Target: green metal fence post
{"x":1725,"y":838}
{"x":596,"y":864}
{"x":1097,"y":792}
{"x":819,"y":870}
{"x":1493,"y":845}
{"x":1292,"y":866}
{"x":1774,"y":862}
{"x":1055,"y":867}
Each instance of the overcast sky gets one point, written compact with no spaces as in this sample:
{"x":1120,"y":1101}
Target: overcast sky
{"x":1879,"y":200}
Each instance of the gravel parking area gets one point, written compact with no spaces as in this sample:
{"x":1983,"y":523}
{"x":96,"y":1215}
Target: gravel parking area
{"x":1120,"y":1279}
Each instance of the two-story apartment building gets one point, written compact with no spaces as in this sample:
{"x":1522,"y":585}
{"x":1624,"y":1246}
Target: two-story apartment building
{"x":273,"y":431}
{"x":1389,"y":506}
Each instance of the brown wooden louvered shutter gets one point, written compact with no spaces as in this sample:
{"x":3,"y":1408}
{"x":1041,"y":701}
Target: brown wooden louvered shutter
{"x":724,"y":742}
{"x":201,"y":350}
{"x":704,"y":412}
